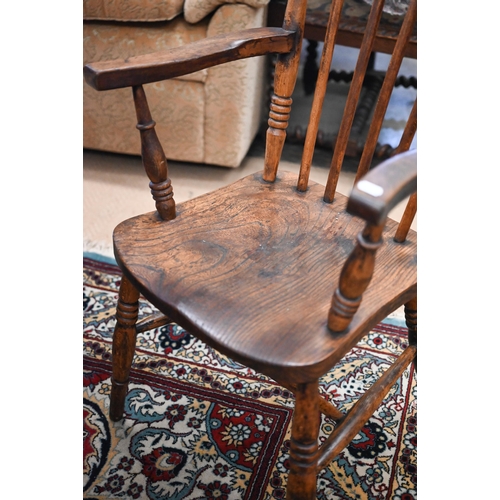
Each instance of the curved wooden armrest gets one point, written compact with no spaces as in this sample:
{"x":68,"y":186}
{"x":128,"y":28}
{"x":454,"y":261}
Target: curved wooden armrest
{"x":382,"y":188}
{"x":148,"y":68}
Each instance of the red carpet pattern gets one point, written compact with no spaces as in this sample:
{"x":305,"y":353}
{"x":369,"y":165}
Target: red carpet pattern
{"x":200,"y":426}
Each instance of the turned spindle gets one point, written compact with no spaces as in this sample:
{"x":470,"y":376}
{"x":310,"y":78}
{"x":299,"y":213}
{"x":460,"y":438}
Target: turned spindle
{"x":124,"y":338}
{"x":285,"y":78}
{"x":153,"y":157}
{"x":354,"y":278}
{"x":304,"y":451}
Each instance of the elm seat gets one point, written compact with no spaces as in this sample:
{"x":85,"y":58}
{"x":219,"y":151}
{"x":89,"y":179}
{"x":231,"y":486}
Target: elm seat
{"x":274,"y":244}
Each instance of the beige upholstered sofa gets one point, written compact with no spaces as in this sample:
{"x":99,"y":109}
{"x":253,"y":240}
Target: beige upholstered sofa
{"x":210,"y":116}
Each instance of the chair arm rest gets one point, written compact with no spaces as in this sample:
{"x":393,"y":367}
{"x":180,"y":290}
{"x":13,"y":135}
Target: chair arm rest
{"x":383,"y":187}
{"x":212,"y":51}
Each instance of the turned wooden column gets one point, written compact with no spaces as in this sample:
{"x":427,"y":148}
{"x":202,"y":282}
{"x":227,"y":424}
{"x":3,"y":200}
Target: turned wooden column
{"x":354,"y":278}
{"x":284,"y":83}
{"x":124,"y":336}
{"x":304,"y":451}
{"x":411,"y":323}
{"x":153,"y":157}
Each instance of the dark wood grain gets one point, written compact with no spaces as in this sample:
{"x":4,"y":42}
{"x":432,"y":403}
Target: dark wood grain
{"x":342,"y":140}
{"x":153,"y":157}
{"x":286,"y":248}
{"x":275,"y":271}
{"x":124,"y":336}
{"x":219,"y":49}
{"x":285,"y":78}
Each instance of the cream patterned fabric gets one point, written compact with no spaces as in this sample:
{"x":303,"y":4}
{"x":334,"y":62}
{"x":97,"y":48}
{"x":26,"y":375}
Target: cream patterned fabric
{"x":207,"y":117}
{"x":234,"y":92}
{"x":177,"y":106}
{"x":132,"y":10}
{"x":196,"y":10}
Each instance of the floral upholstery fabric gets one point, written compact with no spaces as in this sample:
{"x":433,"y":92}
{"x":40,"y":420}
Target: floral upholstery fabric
{"x":207,"y":117}
{"x":196,"y":10}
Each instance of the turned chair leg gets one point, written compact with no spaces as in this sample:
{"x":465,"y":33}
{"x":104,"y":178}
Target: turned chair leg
{"x":304,"y":444}
{"x":124,"y":337}
{"x":411,"y":323}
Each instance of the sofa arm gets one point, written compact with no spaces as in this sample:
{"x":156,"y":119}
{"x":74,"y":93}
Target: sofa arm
{"x":196,"y":10}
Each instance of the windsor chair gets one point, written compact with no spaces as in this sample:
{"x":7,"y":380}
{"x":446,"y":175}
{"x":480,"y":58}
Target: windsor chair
{"x":277,"y":272}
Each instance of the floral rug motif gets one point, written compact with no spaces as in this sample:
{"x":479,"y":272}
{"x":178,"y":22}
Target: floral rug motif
{"x":199,"y":426}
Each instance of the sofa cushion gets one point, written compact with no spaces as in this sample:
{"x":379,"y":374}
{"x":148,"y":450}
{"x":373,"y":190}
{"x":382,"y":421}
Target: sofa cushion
{"x":196,"y":10}
{"x":131,"y":10}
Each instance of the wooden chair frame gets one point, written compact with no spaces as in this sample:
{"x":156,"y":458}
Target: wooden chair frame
{"x":376,"y":192}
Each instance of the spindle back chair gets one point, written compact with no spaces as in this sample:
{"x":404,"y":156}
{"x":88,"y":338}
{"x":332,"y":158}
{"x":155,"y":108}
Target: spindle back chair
{"x":277,"y":272}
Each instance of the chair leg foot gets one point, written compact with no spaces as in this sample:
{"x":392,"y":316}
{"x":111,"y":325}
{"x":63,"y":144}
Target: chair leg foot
{"x":117,"y":403}
{"x":304,"y":444}
{"x":124,"y":337}
{"x":411,"y":323}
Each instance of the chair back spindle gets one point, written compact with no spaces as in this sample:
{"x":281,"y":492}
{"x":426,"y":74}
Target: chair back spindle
{"x":408,"y":132}
{"x":354,"y":112}
{"x":319,"y":94}
{"x":355,"y":88}
{"x":153,"y":157}
{"x":386,"y":90}
{"x":408,"y":216}
{"x":284,"y":83}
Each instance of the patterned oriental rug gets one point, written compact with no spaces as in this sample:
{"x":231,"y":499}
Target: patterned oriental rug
{"x":200,"y":426}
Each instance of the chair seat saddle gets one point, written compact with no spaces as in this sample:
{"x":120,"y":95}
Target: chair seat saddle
{"x":262,"y":297}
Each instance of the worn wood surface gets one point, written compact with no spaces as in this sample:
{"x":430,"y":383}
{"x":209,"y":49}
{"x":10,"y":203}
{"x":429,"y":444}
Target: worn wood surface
{"x":252,"y":267}
{"x":276,"y":272}
{"x":124,"y":337}
{"x":219,"y":49}
{"x":285,"y":78}
{"x":153,"y":157}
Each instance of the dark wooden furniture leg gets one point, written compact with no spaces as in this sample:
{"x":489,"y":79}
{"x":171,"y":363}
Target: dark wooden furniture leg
{"x":411,"y":323}
{"x":124,"y":337}
{"x":304,"y":443}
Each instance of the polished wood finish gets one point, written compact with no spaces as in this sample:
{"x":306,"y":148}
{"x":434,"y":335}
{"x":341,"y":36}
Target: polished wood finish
{"x":282,"y":241}
{"x":374,"y":87}
{"x":124,"y":336}
{"x":304,"y":444}
{"x":407,"y":219}
{"x":186,"y":59}
{"x":156,"y":320}
{"x":153,"y":157}
{"x":319,"y":96}
{"x":272,"y":270}
{"x":284,"y":83}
